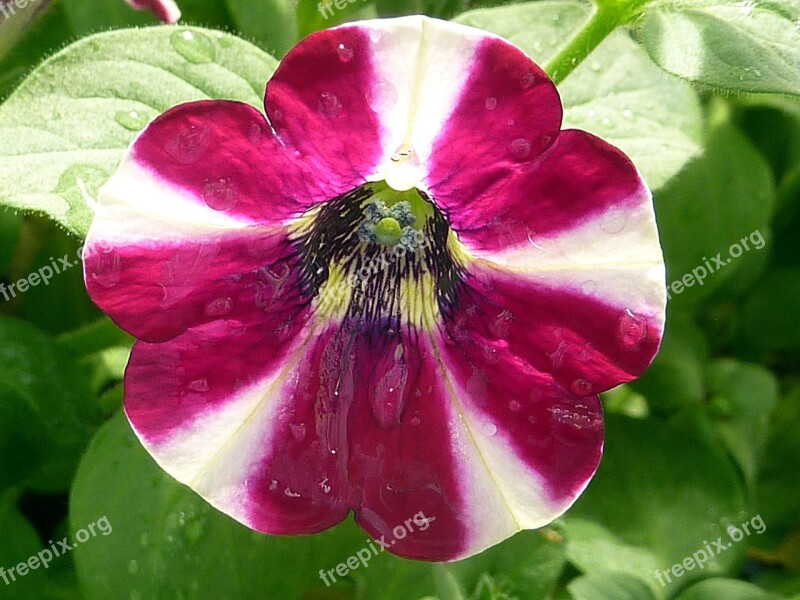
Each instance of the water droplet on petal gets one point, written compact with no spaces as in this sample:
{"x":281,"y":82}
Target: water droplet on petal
{"x":613,"y":220}
{"x":298,"y":431}
{"x":188,"y":146}
{"x":388,"y":401}
{"x":632,"y":330}
{"x":488,"y":428}
{"x":219,"y":307}
{"x":383,"y":96}
{"x":220,"y":194}
{"x":491,"y":103}
{"x":195,"y":47}
{"x":132,"y":120}
{"x":105,"y":267}
{"x":199,"y":385}
{"x":581,"y":387}
{"x":521,"y":148}
{"x":514,"y":406}
{"x":545,"y":140}
{"x":415,"y":421}
{"x":345,"y":53}
{"x":329,"y":104}
{"x":527,"y":80}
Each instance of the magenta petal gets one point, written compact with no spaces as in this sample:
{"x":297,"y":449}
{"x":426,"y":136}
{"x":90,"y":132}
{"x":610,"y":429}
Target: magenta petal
{"x":511,"y":97}
{"x":574,"y":181}
{"x":403,"y":451}
{"x":157,"y":290}
{"x":224,"y":156}
{"x":588,"y":345}
{"x":317,"y":103}
{"x":165,"y":10}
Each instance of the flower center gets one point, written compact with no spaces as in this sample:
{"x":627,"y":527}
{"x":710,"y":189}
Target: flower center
{"x":379,"y":255}
{"x":388,"y":231}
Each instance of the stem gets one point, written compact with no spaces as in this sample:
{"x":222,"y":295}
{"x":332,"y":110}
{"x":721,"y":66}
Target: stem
{"x":606,"y":18}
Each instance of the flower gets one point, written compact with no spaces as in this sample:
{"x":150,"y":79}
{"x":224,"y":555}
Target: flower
{"x":166,"y":10}
{"x":398,"y":293}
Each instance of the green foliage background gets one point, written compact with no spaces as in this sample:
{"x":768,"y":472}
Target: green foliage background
{"x":702,"y":94}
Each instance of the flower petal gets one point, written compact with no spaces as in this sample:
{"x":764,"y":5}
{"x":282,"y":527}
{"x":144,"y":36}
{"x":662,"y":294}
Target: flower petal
{"x":166,"y":10}
{"x":411,"y":455}
{"x":158,"y":289}
{"x":221,"y":156}
{"x":579,"y":179}
{"x":589,"y":343}
{"x":541,"y":442}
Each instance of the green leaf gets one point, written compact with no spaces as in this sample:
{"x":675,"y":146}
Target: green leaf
{"x":779,"y":470}
{"x":675,"y":379}
{"x":594,"y":550}
{"x":727,"y":44}
{"x":617,"y":93}
{"x":702,"y":249}
{"x":744,"y":396}
{"x":20,"y":542}
{"x":47,"y":415}
{"x":770,"y":318}
{"x":68,"y":125}
{"x":667,"y":488}
{"x":165,"y":536}
{"x":609,"y":586}
{"x":729,"y":589}
{"x":526,"y":567}
{"x":272,"y":24}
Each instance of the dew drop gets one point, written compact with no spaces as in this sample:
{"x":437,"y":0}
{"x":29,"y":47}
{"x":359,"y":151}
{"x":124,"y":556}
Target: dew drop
{"x":595,"y":67}
{"x":383,"y":96}
{"x":199,"y":385}
{"x":195,"y":47}
{"x":388,"y":401}
{"x":545,"y":140}
{"x":500,"y":326}
{"x":220,"y":194}
{"x":298,"y":431}
{"x":514,"y":406}
{"x":521,"y":148}
{"x":489,"y":429}
{"x":106,"y":268}
{"x":135,"y":595}
{"x":133,"y":567}
{"x":329,"y":104}
{"x":323,"y":485}
{"x":614,"y":220}
{"x":290,"y":494}
{"x":219,"y":307}
{"x":627,"y":113}
{"x":527,"y":80}
{"x":131,"y":119}
{"x":605,"y":121}
{"x":491,"y":103}
{"x":581,"y":387}
{"x":188,"y":146}
{"x":144,"y":539}
{"x":589,"y":287}
{"x":415,"y":421}
{"x":345,"y":53}
{"x":632,"y":330}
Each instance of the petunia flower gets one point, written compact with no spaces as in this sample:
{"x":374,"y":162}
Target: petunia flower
{"x":165,"y":10}
{"x":399,"y":292}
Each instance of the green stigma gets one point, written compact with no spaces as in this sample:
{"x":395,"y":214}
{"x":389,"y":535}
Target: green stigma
{"x":388,"y":231}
